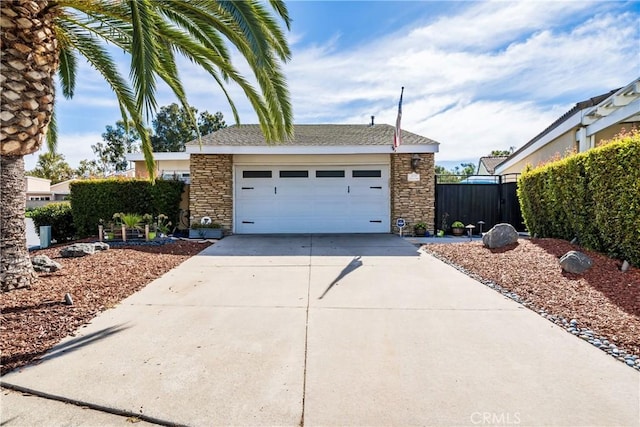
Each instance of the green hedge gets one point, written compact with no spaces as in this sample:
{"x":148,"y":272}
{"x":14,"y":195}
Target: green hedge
{"x":93,"y":200}
{"x":594,"y":196}
{"x":58,"y":216}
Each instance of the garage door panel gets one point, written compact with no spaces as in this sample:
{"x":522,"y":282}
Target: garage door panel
{"x":319,"y":199}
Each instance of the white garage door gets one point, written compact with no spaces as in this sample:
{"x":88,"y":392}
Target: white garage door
{"x":312,"y":199}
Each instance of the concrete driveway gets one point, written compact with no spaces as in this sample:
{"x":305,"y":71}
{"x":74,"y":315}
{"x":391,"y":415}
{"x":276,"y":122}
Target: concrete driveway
{"x":324,"y":330}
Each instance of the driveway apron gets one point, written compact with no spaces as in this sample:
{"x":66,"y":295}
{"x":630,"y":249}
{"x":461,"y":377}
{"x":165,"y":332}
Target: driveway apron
{"x":328,"y":330}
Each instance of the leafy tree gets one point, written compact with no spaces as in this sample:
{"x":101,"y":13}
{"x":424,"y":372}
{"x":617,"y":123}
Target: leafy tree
{"x":88,"y":169}
{"x":173,"y":127}
{"x":465,"y":169}
{"x":44,"y":37}
{"x":208,"y":122}
{"x":457,"y":174}
{"x":502,"y":152}
{"x":52,"y":166}
{"x":118,"y":141}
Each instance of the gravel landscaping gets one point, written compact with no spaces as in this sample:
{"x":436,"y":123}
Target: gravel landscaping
{"x":34,"y":320}
{"x":601,"y":306}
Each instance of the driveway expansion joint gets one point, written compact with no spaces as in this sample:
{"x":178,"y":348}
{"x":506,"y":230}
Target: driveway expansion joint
{"x":88,"y":405}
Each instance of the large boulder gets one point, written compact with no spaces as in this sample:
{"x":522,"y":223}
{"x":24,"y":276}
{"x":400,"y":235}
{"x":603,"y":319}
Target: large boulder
{"x":499,"y":236}
{"x":575,"y":262}
{"x":78,"y":250}
{"x":44,"y":264}
{"x":101,"y":246}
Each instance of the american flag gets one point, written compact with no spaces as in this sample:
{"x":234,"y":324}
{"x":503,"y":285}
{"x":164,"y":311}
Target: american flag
{"x":397,"y":134}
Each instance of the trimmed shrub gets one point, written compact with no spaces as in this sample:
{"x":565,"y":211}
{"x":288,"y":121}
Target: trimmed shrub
{"x":59,"y":216}
{"x":99,"y":199}
{"x":594,"y":196}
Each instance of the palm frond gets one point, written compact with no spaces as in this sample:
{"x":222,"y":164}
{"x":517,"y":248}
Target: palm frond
{"x":52,"y":133}
{"x":242,"y":16}
{"x":67,"y":71}
{"x":154,"y":31}
{"x":144,"y":60}
{"x":99,"y":58}
{"x":281,"y":9}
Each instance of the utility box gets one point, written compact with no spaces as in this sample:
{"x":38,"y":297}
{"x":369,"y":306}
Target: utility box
{"x":45,"y":236}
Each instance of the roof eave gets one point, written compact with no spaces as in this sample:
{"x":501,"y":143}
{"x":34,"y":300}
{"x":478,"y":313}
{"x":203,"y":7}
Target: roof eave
{"x":311,"y":149}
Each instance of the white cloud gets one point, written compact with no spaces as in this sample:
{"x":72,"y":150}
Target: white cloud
{"x":489,"y":75}
{"x":470,"y":130}
{"x":74,"y":147}
{"x":498,"y":70}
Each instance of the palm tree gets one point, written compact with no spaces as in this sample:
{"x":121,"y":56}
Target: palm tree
{"x":42,"y":38}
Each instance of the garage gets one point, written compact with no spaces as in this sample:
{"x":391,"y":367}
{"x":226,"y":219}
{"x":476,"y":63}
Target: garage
{"x":312,"y":199}
{"x":328,"y":178}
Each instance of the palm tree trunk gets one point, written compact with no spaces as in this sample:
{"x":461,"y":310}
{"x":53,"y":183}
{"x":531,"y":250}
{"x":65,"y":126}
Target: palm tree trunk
{"x":16,"y":270}
{"x":29,"y":60}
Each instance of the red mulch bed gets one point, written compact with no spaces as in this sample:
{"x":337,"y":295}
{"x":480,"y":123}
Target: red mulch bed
{"x":604,"y":299}
{"x":34,"y":320}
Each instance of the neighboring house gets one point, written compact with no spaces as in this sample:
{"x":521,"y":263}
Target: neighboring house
{"x":327,"y":179}
{"x":40,"y":192}
{"x":487,"y":165}
{"x":37,"y":190}
{"x":61,"y":190}
{"x":168,"y":165}
{"x":579,"y":129}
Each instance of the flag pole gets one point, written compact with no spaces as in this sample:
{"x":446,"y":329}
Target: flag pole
{"x":397,"y":133}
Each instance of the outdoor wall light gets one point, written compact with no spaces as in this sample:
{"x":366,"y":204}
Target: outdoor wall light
{"x":415,"y":161}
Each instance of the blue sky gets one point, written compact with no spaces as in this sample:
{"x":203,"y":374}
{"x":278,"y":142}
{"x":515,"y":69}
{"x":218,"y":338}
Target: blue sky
{"x":478,"y":76}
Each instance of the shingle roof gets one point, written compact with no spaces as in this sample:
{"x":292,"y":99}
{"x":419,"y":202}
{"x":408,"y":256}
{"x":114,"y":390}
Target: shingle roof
{"x":314,"y":135}
{"x":490,"y":162}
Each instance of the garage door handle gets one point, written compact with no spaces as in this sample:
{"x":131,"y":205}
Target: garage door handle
{"x":379,"y":188}
{"x":348,"y":189}
{"x":376,"y":220}
{"x":247,"y":188}
{"x":248,"y":222}
{"x":275,"y":190}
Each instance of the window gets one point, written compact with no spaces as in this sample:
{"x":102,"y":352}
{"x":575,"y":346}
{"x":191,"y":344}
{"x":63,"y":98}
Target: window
{"x":329,"y":174}
{"x":183,"y":176}
{"x":367,"y":174}
{"x":256,"y":174}
{"x":294,"y":174}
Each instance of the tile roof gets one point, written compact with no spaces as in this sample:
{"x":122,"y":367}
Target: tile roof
{"x":314,"y":135}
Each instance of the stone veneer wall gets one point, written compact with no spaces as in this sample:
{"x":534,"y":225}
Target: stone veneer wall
{"x":211,"y":189}
{"x":413,"y":201}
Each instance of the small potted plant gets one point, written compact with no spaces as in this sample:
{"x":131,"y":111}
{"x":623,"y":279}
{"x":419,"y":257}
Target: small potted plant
{"x":457,"y":228}
{"x":205,"y":229}
{"x":420,"y":229}
{"x":163,"y":225}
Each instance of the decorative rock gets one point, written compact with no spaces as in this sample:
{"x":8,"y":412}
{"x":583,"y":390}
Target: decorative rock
{"x":625,"y":266}
{"x":499,"y":236}
{"x":77,"y":250}
{"x":575,"y":262}
{"x":101,"y":246}
{"x":44,"y":264}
